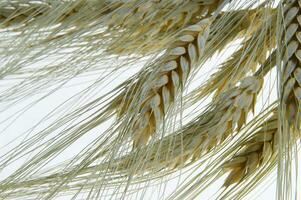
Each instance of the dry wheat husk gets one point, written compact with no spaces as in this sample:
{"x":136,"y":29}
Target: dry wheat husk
{"x":157,"y":20}
{"x":166,"y":96}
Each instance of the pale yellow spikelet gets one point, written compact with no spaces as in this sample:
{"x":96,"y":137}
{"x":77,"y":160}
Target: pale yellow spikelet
{"x":228,"y":116}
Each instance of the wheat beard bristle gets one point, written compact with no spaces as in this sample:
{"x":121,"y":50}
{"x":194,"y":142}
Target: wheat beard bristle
{"x":291,"y":78}
{"x":254,"y":153}
{"x":236,"y":102}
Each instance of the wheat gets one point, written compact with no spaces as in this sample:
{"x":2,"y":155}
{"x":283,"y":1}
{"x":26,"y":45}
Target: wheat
{"x":73,"y":133}
{"x":170,"y":75}
{"x":243,"y":61}
{"x":157,"y":20}
{"x":12,"y":13}
{"x":291,"y":75}
{"x":181,"y":35}
{"x":147,"y":123}
{"x":200,"y":137}
{"x":254,"y":153}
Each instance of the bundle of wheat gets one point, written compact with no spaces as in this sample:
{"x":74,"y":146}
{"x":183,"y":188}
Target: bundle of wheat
{"x":153,"y":136}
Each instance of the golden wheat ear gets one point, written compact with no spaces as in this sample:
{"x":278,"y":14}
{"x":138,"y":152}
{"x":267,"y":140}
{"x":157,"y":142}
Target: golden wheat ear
{"x":188,"y":53}
{"x":100,"y":31}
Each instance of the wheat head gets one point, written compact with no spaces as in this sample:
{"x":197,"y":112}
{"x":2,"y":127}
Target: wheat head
{"x":166,"y":81}
{"x":254,"y":153}
{"x":291,"y":76}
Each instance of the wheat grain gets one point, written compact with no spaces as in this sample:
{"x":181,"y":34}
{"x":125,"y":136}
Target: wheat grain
{"x":228,"y":114}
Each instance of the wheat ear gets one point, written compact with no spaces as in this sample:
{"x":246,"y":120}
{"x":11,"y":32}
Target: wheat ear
{"x":12,"y":13}
{"x":225,"y":116}
{"x":172,"y":71}
{"x":291,"y":75}
{"x":158,"y":19}
{"x":254,"y":153}
{"x":165,"y":86}
{"x":245,"y":60}
{"x":96,"y":119}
